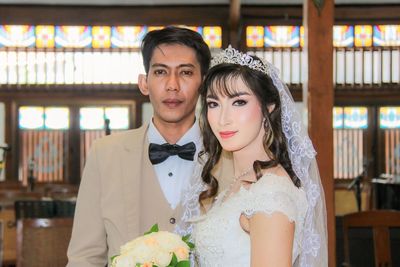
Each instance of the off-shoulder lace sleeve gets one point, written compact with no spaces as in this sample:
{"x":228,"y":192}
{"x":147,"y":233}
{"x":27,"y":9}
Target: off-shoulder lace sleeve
{"x":274,"y":193}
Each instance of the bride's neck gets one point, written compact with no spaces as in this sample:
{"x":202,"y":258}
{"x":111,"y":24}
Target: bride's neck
{"x":243,"y":160}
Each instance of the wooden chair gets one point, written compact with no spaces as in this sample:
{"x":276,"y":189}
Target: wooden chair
{"x":7,"y":216}
{"x":380,"y":221}
{"x":1,"y":241}
{"x":35,"y":209}
{"x":8,"y":197}
{"x":7,"y":185}
{"x":43,"y":242}
{"x":61,"y":191}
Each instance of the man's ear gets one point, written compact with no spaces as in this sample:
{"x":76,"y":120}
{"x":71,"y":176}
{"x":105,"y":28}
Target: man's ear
{"x":142,"y":83}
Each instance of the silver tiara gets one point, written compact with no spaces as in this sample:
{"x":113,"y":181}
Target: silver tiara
{"x":232,"y":56}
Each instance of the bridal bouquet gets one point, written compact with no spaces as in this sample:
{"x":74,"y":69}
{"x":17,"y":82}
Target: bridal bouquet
{"x":155,"y":249}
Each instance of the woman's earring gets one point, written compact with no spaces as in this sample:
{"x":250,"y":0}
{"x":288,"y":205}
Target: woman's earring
{"x":269,"y":135}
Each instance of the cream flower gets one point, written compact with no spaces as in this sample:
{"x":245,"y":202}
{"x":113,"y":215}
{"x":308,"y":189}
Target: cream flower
{"x":154,"y":248}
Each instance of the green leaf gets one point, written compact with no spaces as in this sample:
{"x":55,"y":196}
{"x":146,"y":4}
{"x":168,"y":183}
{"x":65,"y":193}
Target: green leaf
{"x":153,"y":229}
{"x":186,"y":238}
{"x":190,"y":244}
{"x":137,"y":265}
{"x":183,"y":264}
{"x":174,"y":260}
{"x":113,"y":257}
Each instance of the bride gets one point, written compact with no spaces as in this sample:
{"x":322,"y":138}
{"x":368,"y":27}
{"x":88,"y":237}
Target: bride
{"x":273,"y":213}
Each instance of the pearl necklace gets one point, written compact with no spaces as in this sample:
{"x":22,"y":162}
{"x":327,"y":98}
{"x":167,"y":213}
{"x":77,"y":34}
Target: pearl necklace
{"x":246,"y":172}
{"x":229,"y":192}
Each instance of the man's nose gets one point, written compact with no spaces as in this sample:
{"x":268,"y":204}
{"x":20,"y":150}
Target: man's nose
{"x":173,"y":82}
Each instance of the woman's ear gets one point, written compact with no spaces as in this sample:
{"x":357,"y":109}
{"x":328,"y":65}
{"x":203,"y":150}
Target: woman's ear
{"x":271,"y":108}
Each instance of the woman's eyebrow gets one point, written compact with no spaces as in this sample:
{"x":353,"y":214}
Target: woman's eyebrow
{"x":233,"y":95}
{"x":213,"y":97}
{"x":237,"y":94}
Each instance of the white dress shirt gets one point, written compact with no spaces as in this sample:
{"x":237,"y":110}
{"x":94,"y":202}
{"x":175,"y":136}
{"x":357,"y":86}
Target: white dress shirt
{"x":174,"y":173}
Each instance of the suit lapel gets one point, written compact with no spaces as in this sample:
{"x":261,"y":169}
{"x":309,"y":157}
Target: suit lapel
{"x":132,"y":162}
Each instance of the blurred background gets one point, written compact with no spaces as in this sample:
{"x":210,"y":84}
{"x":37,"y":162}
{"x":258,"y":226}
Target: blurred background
{"x":68,"y":75}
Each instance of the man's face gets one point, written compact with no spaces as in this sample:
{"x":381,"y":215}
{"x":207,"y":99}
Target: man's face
{"x":172,"y":84}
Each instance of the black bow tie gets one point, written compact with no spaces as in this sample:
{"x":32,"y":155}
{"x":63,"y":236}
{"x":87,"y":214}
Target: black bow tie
{"x":159,"y":153}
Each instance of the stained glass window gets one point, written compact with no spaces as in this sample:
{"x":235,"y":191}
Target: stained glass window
{"x":57,"y":118}
{"x":118,"y":116}
{"x":301,"y":36}
{"x":193,"y":28}
{"x":17,"y":35}
{"x":386,"y":35}
{"x":31,"y":117}
{"x":363,"y":35}
{"x":45,"y":35}
{"x":73,"y":36}
{"x":127,"y":36}
{"x":75,"y":65}
{"x":355,"y":118}
{"x":343,"y":36}
{"x":93,"y":118}
{"x":50,"y":118}
{"x":255,"y":36}
{"x":101,"y":37}
{"x":389,"y":117}
{"x":213,"y":36}
{"x":153,"y":28}
{"x":337,"y":117}
{"x":282,"y":36}
{"x":350,"y":118}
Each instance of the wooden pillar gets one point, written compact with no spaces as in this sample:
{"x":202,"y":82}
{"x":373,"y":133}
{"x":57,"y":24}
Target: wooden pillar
{"x":234,"y":18}
{"x":319,"y":95}
{"x":11,"y":126}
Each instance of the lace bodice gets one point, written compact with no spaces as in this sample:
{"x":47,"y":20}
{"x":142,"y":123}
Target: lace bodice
{"x":220,"y":240}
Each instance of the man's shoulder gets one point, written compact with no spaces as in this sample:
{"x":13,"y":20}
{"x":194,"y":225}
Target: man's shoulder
{"x":128,"y":138}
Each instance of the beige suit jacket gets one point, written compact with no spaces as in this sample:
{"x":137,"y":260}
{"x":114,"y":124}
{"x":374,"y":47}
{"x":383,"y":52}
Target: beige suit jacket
{"x":120,"y":198}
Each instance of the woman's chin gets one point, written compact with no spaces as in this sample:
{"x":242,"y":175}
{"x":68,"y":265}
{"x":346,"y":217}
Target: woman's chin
{"x":230,"y":148}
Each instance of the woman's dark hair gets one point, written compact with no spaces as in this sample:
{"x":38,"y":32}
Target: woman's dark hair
{"x":218,"y":82}
{"x":176,"y":35}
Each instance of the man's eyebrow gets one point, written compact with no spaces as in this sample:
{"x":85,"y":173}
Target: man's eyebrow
{"x":188,"y":65}
{"x":159,"y":65}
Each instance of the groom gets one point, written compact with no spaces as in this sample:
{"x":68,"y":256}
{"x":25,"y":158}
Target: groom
{"x":137,"y":178}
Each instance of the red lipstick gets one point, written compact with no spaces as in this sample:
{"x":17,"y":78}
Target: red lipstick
{"x":227,"y":134}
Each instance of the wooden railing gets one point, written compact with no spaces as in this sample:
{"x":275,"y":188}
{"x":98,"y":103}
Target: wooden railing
{"x":367,"y":66}
{"x":353,"y":67}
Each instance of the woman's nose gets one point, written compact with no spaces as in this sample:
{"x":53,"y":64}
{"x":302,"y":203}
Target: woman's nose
{"x":225,"y":117}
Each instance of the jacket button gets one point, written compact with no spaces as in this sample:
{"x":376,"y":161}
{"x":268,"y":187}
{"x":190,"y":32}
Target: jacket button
{"x":172,"y":220}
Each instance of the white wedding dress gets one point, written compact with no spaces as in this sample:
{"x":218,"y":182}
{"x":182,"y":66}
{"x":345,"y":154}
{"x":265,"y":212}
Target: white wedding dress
{"x":220,"y":240}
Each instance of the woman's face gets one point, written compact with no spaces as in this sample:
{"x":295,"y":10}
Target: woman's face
{"x":236,"y":121}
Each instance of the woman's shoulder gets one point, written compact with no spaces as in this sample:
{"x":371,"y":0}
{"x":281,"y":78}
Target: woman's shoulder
{"x":276,"y":176}
{"x":278,"y":180}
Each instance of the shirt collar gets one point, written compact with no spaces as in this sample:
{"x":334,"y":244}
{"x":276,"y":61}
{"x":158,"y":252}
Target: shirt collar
{"x":192,"y":135}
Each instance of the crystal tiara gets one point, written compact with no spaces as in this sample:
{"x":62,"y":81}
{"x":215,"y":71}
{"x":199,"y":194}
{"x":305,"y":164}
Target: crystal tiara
{"x":232,"y":56}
